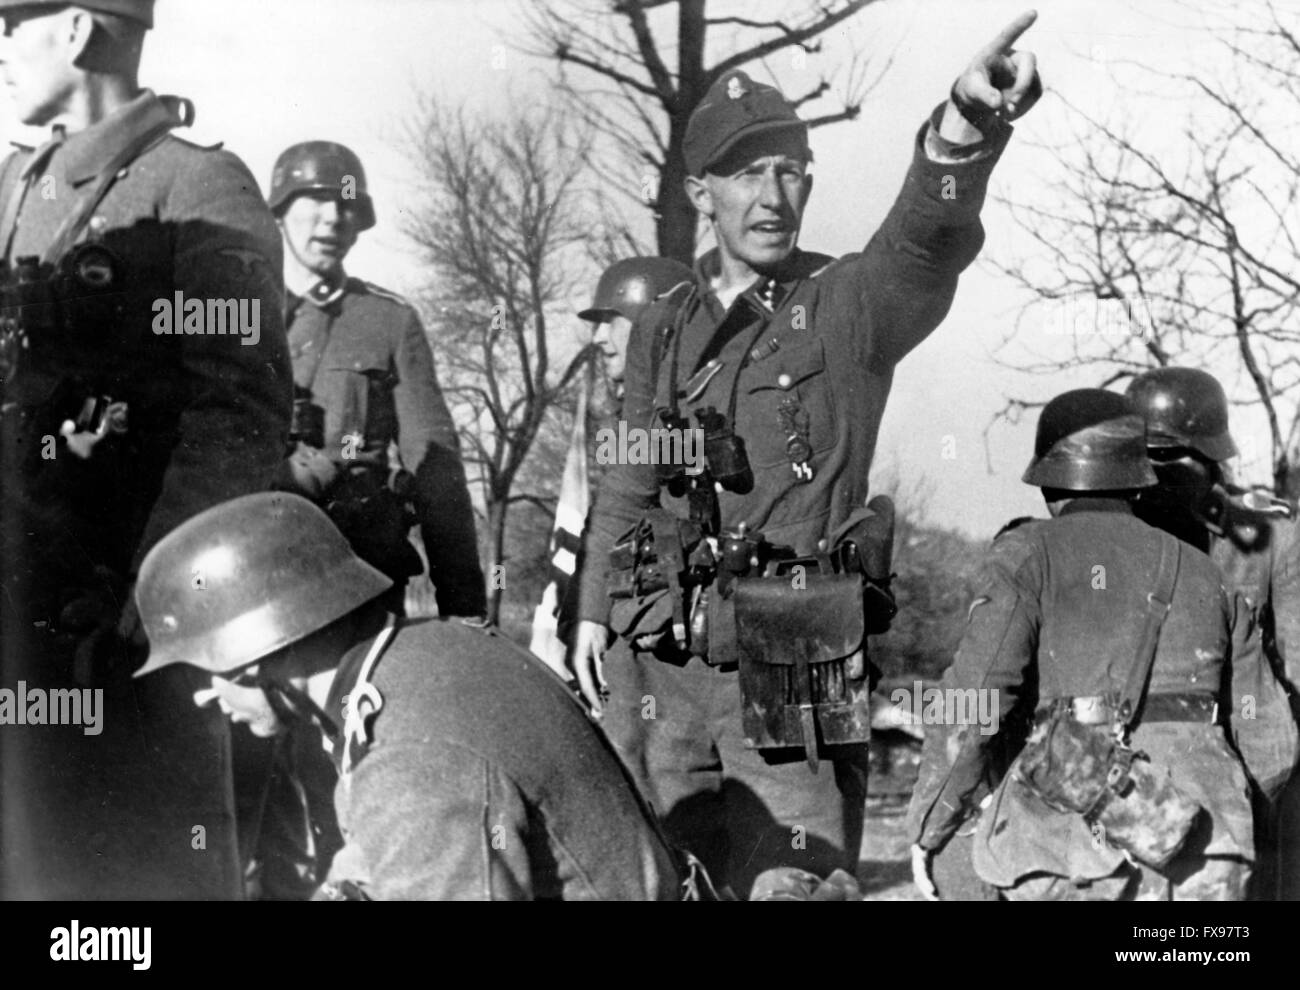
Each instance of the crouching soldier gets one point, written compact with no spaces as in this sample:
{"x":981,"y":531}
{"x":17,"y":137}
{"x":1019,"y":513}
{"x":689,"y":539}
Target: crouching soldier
{"x":466,"y":768}
{"x":1116,"y":635}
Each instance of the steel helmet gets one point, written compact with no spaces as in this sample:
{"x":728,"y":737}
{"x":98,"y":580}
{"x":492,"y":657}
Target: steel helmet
{"x":1090,"y":440}
{"x":321,"y":166}
{"x":1184,"y":407}
{"x":629,"y":286}
{"x":136,"y":10}
{"x":246,"y":578}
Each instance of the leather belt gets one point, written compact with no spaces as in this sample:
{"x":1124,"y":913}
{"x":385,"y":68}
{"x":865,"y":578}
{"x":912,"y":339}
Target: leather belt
{"x":1091,"y":710}
{"x":1099,"y":709}
{"x":1180,"y":707}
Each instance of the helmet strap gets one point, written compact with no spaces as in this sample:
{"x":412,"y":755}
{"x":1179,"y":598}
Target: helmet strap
{"x":292,"y":705}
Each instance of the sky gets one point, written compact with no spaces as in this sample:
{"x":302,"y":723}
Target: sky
{"x":267,"y":73}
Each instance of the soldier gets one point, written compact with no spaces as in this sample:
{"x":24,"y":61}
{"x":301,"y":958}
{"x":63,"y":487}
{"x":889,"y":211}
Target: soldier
{"x":1106,"y":627}
{"x":467,"y":770}
{"x":1252,"y":536}
{"x":625,"y":289}
{"x":783,"y":359}
{"x":145,"y":378}
{"x":374,"y":444}
{"x":364,"y":382}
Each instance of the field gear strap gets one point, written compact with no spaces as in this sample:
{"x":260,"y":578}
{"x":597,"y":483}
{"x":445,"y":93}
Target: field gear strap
{"x":14,"y":201}
{"x":354,"y":719}
{"x":79,"y":218}
{"x":1158,"y":604}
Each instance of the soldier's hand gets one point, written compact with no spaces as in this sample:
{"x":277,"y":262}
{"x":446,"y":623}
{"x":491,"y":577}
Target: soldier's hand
{"x":999,"y":82}
{"x":308,"y":472}
{"x":921,"y":860}
{"x":589,"y":645}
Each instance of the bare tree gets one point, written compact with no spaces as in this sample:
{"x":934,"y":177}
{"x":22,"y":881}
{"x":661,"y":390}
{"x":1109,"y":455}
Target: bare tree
{"x":1155,"y":251}
{"x":625,"y":83}
{"x":499,"y":222}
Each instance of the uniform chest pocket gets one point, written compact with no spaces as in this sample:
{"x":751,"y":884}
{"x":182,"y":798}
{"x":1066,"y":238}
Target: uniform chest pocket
{"x":788,"y":392}
{"x":356,"y":391}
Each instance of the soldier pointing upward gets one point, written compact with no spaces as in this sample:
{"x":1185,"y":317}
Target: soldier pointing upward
{"x":785,"y":358}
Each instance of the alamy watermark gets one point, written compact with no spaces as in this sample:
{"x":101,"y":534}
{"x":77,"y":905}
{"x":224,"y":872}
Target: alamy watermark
{"x":1088,"y":316}
{"x":126,"y":944}
{"x":60,"y":706}
{"x":197,"y":317}
{"x":657,"y":445}
{"x":920,"y":705}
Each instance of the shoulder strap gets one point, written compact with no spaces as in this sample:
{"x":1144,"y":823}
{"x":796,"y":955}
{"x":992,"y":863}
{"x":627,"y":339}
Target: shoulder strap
{"x":306,"y":314}
{"x":660,"y":334}
{"x":76,"y":222}
{"x":364,"y":701}
{"x":1158,"y":603}
{"x":12,"y":191}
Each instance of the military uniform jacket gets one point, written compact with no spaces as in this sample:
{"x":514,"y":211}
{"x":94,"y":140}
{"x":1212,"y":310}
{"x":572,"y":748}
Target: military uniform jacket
{"x":1058,"y":611}
{"x":1258,"y":551}
{"x":839,"y":328}
{"x":207,"y":419}
{"x":484,"y":779}
{"x":362,"y":353}
{"x":207,"y":413}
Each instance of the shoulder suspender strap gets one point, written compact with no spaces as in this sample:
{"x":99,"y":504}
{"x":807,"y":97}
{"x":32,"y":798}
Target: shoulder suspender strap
{"x":12,"y":191}
{"x":685,"y":305}
{"x":1158,"y":602}
{"x":77,"y":220}
{"x":364,"y":693}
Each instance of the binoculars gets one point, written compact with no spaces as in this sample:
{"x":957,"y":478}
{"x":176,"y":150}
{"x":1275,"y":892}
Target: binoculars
{"x":83,"y":290}
{"x":308,"y":422}
{"x":725,"y":458}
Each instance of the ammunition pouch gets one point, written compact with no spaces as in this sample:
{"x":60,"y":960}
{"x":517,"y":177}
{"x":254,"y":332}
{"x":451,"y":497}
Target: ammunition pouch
{"x":649,"y":578}
{"x":800,"y":639}
{"x":1086,"y":769}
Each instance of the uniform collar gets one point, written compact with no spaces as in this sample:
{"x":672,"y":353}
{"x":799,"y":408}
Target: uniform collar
{"x":1090,"y":503}
{"x":770,"y":291}
{"x":86,"y":153}
{"x":327,"y":291}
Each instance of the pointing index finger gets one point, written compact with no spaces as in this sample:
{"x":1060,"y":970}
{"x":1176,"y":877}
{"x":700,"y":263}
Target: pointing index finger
{"x":1007,"y":36}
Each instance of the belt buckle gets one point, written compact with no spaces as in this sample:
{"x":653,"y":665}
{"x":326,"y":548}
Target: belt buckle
{"x":1093,"y":710}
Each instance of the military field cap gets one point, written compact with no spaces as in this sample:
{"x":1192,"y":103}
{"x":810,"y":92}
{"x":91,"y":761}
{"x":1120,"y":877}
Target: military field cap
{"x":735,"y":108}
{"x":137,"y":10}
